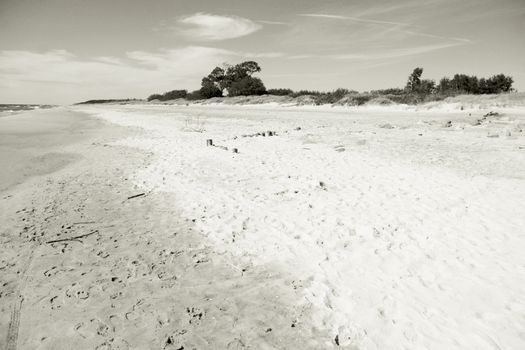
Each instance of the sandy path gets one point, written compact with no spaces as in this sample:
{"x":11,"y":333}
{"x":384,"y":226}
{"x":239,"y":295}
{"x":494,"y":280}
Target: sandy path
{"x":400,"y":230}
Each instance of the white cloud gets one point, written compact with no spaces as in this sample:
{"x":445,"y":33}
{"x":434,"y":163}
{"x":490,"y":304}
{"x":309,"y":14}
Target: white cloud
{"x":208,"y":27}
{"x":58,"y":76}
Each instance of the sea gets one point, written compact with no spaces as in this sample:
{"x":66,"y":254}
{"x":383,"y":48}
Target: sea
{"x":10,"y":109}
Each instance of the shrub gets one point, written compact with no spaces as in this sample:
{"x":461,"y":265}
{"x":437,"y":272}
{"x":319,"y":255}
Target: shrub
{"x":280,"y":92}
{"x":170,"y":95}
{"x":194,"y":95}
{"x":306,"y":93}
{"x":391,"y":91}
{"x":154,"y":97}
{"x":174,"y":94}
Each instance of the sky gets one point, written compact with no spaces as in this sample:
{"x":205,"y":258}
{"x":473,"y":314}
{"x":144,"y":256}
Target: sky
{"x":65,"y":51}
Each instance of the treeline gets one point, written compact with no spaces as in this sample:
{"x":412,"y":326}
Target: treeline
{"x":459,"y":84}
{"x":120,"y":100}
{"x":238,"y":80}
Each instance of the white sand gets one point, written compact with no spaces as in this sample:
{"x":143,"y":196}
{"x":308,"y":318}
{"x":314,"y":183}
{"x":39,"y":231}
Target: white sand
{"x":414,"y":241}
{"x":371,"y":228}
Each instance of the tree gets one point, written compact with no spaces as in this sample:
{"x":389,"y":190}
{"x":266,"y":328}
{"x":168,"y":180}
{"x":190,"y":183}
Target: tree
{"x":217,"y":77}
{"x":242,"y":70}
{"x":414,"y":80}
{"x":499,"y":83}
{"x":247,"y":86}
{"x":426,"y":86}
{"x":235,"y":80}
{"x":209,"y":88}
{"x":444,"y":86}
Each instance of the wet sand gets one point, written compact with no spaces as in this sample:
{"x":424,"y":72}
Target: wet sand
{"x":32,"y":143}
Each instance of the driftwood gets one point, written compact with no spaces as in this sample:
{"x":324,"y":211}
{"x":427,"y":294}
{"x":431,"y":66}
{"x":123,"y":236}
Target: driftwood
{"x":72,"y":238}
{"x":137,"y":195}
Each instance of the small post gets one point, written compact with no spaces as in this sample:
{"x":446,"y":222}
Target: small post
{"x":209,"y":142}
{"x":235,"y":150}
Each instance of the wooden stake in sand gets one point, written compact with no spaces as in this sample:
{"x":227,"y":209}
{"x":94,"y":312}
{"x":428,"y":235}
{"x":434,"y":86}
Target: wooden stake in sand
{"x":209,"y":142}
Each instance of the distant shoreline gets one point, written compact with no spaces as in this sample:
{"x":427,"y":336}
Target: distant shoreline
{"x":8,"y":109}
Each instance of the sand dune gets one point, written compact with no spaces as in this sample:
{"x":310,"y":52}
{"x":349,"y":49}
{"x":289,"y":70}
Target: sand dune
{"x":351,"y":228}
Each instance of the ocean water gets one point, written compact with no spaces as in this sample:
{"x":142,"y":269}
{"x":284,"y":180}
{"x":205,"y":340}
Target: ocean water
{"x":10,"y":109}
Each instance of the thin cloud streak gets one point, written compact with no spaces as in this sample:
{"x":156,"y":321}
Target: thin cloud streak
{"x":355,"y":19}
{"x":397,"y":53}
{"x":395,"y":26}
{"x":273,"y":22}
{"x":464,"y":40}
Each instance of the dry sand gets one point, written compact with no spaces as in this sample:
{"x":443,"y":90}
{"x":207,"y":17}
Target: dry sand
{"x":356,"y":229}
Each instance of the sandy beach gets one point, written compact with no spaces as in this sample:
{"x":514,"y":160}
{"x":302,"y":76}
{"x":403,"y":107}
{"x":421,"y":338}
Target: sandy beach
{"x":354,"y":228}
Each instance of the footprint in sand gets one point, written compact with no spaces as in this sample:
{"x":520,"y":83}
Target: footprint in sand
{"x":77,"y":291}
{"x":175,"y":341}
{"x":51,"y":272}
{"x":236,"y":344}
{"x":195,"y":314}
{"x":54,"y":303}
{"x":134,"y":313}
{"x":114,"y":344}
{"x":92,"y":328}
